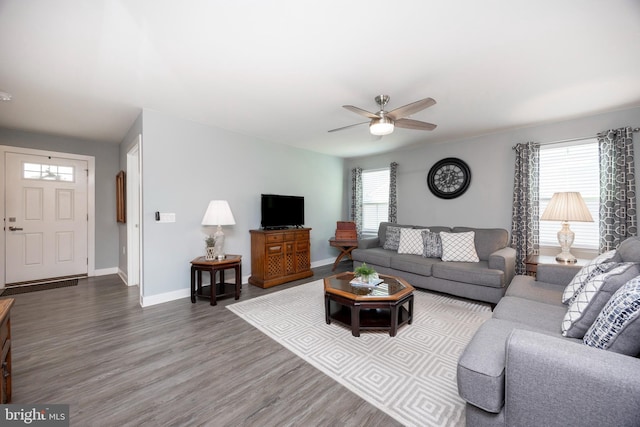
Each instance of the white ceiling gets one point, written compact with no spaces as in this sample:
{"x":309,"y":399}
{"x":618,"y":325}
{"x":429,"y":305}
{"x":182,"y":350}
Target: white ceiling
{"x":280,"y":70}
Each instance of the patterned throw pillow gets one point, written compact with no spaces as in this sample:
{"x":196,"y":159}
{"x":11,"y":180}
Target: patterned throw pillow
{"x":617,"y":327}
{"x":591,"y":269}
{"x":459,"y":247}
{"x":585,"y":307}
{"x":432,"y":245}
{"x":411,"y":241}
{"x":392,"y":239}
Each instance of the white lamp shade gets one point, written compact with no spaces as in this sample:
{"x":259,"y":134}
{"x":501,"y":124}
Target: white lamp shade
{"x":567,"y":206}
{"x":218,"y":213}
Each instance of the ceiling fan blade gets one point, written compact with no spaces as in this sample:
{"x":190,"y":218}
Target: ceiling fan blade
{"x":414,"y":124}
{"x":347,"y":127}
{"x":409,"y":109}
{"x":360,"y":111}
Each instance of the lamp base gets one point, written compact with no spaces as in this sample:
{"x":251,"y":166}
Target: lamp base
{"x":218,"y":247}
{"x":565,"y":238}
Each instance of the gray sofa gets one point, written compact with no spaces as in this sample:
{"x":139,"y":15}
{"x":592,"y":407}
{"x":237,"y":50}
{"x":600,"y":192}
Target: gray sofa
{"x":519,"y":370}
{"x":485,"y":280}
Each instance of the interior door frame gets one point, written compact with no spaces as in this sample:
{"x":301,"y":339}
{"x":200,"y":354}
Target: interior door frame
{"x":91,"y":204}
{"x":134,"y":214}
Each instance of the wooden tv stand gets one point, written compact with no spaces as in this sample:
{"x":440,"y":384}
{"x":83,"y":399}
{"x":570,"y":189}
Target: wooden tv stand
{"x":279,"y":256}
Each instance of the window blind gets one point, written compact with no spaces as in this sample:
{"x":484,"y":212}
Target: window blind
{"x":570,"y":168}
{"x":375,"y":199}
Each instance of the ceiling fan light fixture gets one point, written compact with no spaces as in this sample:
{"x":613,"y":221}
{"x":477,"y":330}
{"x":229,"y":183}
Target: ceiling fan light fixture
{"x":381,"y":126}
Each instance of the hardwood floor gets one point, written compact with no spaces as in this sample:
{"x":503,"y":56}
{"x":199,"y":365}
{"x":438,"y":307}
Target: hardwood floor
{"x":174,"y":364}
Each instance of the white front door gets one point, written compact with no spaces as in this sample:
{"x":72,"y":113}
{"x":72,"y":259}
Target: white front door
{"x":46,"y":219}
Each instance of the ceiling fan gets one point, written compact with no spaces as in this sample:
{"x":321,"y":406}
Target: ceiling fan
{"x":383,"y":122}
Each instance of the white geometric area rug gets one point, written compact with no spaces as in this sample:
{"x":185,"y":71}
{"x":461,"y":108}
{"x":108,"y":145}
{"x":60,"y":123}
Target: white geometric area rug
{"x":412,"y":376}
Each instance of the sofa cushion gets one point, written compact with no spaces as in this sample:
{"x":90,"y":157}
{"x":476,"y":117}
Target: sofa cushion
{"x":586,"y":306}
{"x":487,"y":240}
{"x":411,"y":241}
{"x":617,"y":327}
{"x":414,"y":264}
{"x":392,"y":238}
{"x":528,"y":287}
{"x":459,"y":247}
{"x":596,"y":266}
{"x":629,"y":250}
{"x":477,"y":273}
{"x":373,"y":256}
{"x":432,"y":244}
{"x":536,"y":314}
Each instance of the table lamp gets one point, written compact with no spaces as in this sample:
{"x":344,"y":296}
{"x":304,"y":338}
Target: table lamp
{"x":218,"y":213}
{"x":565,"y":207}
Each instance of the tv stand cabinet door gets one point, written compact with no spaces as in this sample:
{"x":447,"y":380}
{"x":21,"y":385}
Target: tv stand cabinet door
{"x":279,"y":256}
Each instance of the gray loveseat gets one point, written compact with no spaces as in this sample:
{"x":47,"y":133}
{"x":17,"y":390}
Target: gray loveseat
{"x":519,"y":369}
{"x":485,"y":280}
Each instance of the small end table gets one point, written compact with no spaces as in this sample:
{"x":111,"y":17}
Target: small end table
{"x":220,"y":289}
{"x":532,"y":262}
{"x":345,"y":246}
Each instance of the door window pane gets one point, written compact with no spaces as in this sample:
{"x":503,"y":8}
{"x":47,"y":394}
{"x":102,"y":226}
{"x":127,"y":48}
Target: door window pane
{"x":47,"y":172}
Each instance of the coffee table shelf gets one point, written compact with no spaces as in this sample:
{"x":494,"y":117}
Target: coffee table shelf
{"x":387,"y":306}
{"x":370,"y":319}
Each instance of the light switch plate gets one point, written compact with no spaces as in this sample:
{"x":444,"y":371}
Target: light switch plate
{"x":167,"y":217}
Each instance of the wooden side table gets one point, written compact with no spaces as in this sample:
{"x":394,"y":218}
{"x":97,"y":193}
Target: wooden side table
{"x":5,"y":344}
{"x":345,"y":246}
{"x":219,"y":289}
{"x":532,"y":262}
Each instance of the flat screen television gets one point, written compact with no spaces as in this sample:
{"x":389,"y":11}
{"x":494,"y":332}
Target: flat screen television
{"x":282,"y":211}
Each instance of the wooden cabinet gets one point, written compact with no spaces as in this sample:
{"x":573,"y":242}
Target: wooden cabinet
{"x":5,"y":342}
{"x":279,"y":256}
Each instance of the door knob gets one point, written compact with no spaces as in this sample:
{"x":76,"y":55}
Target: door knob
{"x":15,"y":228}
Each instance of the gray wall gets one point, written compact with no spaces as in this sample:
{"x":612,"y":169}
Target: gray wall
{"x":487,"y":202}
{"x":107,"y":166}
{"x":185,"y":165}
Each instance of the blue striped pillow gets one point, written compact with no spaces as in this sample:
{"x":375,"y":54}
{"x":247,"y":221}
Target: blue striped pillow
{"x":617,"y":327}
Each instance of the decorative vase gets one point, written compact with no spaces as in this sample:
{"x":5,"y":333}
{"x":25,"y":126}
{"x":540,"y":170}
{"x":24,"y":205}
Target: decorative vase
{"x":370,"y":279}
{"x":210,"y":256}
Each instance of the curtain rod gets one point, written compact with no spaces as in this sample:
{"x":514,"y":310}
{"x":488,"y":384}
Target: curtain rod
{"x":634,"y":130}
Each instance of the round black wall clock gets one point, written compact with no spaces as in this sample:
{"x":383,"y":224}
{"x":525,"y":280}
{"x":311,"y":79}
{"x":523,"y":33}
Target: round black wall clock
{"x":449,"y":178}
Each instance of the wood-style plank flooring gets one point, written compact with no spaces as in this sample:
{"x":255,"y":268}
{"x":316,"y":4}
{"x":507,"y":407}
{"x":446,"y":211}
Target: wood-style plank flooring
{"x":174,"y":364}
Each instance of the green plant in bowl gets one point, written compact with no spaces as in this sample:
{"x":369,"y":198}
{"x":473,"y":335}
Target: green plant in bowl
{"x":365,"y":273}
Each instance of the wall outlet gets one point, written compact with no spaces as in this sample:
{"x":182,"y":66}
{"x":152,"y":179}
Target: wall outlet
{"x":124,"y":250}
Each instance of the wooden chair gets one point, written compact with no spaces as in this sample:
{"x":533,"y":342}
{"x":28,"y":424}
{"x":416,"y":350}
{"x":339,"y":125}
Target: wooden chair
{"x":346,"y":239}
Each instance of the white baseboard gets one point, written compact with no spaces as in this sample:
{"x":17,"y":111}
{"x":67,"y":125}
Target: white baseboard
{"x":147,"y":301}
{"x":322,"y":262}
{"x":165,"y":297}
{"x":173,"y":295}
{"x":123,"y":277}
{"x":105,"y":271}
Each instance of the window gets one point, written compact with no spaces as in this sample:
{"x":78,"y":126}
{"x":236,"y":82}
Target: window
{"x":571,"y":168}
{"x":375,"y":199}
{"x":47,"y":172}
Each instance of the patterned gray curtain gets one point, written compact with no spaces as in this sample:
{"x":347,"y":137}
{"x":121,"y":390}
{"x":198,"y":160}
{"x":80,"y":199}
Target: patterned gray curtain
{"x":393,"y":200}
{"x":617,"y":187}
{"x":525,"y":230}
{"x":356,"y":198}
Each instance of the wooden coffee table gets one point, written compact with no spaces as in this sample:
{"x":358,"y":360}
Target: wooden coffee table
{"x":386,"y":306}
